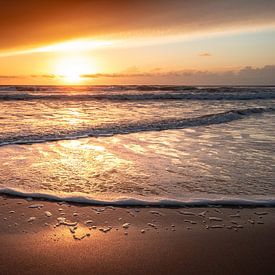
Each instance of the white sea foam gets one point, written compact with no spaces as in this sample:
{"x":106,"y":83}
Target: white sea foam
{"x":190,"y":166}
{"x":156,"y":125}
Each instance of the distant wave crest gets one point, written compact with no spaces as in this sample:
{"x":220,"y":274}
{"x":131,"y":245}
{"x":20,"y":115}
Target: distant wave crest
{"x":134,"y":93}
{"x":157,"y":125}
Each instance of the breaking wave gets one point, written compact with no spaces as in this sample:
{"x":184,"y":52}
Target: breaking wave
{"x":207,"y":200}
{"x":157,"y":125}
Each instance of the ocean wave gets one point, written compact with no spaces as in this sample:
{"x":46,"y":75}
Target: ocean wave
{"x":110,"y":88}
{"x":157,"y":125}
{"x":129,"y":87}
{"x":131,"y":201}
{"x":141,"y":97}
{"x":133,"y":93}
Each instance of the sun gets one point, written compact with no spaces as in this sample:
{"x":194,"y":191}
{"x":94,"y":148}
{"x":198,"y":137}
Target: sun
{"x":71,"y":68}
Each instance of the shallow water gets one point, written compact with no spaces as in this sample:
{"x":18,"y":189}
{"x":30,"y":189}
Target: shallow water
{"x":210,"y":150}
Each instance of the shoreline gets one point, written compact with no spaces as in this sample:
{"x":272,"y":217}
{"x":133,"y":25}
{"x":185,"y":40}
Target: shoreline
{"x":53,"y":237}
{"x":79,"y":199}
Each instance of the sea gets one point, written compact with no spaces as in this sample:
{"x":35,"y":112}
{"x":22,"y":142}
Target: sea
{"x":139,"y":144}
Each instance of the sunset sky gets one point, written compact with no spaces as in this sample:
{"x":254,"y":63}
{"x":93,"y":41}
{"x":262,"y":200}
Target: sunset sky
{"x":137,"y":42}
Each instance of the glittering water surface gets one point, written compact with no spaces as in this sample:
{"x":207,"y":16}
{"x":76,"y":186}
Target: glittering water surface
{"x":223,"y":158}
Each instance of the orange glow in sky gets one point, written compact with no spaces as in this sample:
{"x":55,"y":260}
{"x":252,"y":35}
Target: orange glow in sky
{"x":111,"y":42}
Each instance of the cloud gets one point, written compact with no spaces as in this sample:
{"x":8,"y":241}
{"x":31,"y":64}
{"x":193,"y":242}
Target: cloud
{"x":244,"y":76}
{"x":53,"y":76}
{"x":8,"y":76}
{"x":32,"y":23}
{"x":205,"y":54}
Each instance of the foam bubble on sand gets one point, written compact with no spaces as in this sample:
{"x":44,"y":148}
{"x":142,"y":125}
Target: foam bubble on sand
{"x":79,"y":238}
{"x":98,"y":210}
{"x":130,"y":213}
{"x":88,"y":222}
{"x":105,"y":229}
{"x":235,"y":226}
{"x":237,"y":215}
{"x":72,"y":229}
{"x":187,"y":213}
{"x":261,"y":213}
{"x":238,"y":226}
{"x":189,"y":221}
{"x":152,"y":225}
{"x":218,"y":211}
{"x":158,"y":213}
{"x":215,"y":219}
{"x":217,"y":226}
{"x":39,"y":206}
{"x":203,"y":213}
{"x":62,"y":221}
{"x":48,"y":214}
{"x":31,"y":219}
{"x":126,"y":225}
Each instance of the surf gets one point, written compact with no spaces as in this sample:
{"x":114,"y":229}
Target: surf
{"x":128,"y":128}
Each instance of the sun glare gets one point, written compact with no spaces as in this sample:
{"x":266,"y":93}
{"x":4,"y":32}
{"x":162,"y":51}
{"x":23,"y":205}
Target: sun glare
{"x":71,"y":68}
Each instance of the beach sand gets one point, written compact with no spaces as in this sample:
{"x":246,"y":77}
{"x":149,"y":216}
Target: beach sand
{"x":41,"y":237}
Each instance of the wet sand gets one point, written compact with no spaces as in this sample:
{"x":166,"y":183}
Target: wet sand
{"x":54,"y":238}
